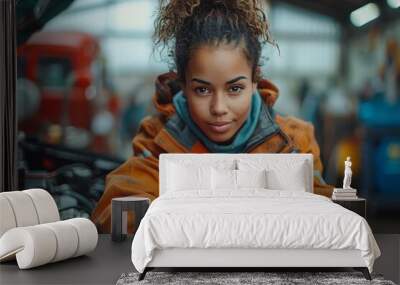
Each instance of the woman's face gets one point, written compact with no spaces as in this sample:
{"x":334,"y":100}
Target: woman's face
{"x":219,"y":88}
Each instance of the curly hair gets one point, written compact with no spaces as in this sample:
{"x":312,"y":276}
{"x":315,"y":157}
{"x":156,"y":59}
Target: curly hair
{"x":184,"y":25}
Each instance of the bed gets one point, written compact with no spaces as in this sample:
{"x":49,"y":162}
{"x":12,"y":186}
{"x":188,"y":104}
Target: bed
{"x":247,"y":210}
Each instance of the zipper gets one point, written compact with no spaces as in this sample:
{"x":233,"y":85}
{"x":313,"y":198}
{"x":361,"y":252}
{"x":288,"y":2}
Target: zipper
{"x":278,"y":131}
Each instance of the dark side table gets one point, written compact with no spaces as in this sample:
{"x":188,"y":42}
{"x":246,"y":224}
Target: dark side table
{"x":357,"y":205}
{"x":119,"y":218}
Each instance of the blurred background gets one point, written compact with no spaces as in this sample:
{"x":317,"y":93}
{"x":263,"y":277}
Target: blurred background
{"x":86,"y":79}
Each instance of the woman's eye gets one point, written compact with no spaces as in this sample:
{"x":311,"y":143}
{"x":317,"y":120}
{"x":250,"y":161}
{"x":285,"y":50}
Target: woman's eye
{"x":235,"y":89}
{"x":201,"y":90}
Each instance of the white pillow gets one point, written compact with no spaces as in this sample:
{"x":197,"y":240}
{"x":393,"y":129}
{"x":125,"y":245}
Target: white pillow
{"x":223,"y":179}
{"x":229,"y":179}
{"x":251,"y":178}
{"x":293,"y":179}
{"x":182,"y":177}
{"x":282,"y":174}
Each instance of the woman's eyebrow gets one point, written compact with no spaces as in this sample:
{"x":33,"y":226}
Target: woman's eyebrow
{"x":236,"y":79}
{"x":228,"y":82}
{"x":201,"y":81}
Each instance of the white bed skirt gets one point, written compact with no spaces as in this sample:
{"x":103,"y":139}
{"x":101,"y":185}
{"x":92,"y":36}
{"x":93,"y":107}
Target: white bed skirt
{"x":235,"y":257}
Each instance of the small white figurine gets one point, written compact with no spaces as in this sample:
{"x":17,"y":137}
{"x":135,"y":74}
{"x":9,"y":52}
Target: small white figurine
{"x":347,"y":174}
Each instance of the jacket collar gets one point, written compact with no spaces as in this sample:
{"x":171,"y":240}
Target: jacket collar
{"x":176,"y":137}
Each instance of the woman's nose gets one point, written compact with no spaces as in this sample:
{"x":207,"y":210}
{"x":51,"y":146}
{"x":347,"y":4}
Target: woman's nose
{"x":218,"y":105}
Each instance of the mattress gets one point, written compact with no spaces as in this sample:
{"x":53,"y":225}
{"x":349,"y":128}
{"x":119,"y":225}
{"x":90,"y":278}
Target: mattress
{"x":250,"y":219}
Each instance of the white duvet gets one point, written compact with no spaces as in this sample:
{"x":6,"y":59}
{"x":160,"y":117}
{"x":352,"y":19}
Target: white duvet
{"x":252,"y":218}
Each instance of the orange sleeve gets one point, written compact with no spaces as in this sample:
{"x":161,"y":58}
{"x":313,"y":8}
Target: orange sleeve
{"x":302,"y":135}
{"x":311,"y":146}
{"x":138,"y":176}
{"x":135,"y":177}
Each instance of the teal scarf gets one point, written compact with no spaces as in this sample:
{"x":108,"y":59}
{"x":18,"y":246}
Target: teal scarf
{"x":239,"y":142}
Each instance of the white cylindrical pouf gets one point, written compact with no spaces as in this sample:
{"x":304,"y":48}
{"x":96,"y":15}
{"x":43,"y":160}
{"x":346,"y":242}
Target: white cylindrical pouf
{"x":45,"y":205}
{"x":7,"y":218}
{"x":23,"y":208}
{"x":87,"y":234}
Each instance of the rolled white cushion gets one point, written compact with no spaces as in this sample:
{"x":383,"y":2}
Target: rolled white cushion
{"x":33,"y":246}
{"x":66,"y":238}
{"x":45,"y":205}
{"x":7,"y":218}
{"x":23,"y":208}
{"x":40,"y":244}
{"x":87,"y":235}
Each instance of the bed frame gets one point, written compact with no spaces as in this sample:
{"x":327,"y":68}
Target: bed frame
{"x":246,"y":258}
{"x":242,"y":259}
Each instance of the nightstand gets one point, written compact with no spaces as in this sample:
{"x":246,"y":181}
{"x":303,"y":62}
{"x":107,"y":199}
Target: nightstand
{"x":119,"y":208}
{"x":357,"y":205}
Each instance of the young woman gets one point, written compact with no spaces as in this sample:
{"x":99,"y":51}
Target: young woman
{"x":216,"y":101}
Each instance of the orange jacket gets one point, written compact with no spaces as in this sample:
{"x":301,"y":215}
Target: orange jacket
{"x":161,"y":134}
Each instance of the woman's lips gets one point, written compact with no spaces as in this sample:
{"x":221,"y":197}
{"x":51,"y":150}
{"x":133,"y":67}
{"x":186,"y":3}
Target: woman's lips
{"x":220,"y":127}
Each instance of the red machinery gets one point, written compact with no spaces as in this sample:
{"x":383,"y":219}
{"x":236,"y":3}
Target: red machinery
{"x":68,"y":70}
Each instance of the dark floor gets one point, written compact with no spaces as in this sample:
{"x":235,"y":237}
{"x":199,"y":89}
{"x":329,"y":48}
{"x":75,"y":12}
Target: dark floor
{"x":106,"y":264}
{"x":389,"y":262}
